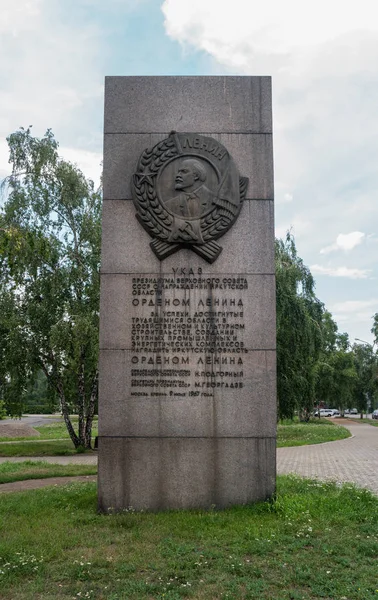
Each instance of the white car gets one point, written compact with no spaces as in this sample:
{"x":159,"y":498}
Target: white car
{"x":324,"y":412}
{"x":335,"y":413}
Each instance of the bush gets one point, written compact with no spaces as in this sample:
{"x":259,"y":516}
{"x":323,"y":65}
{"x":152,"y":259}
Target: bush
{"x":3,"y":412}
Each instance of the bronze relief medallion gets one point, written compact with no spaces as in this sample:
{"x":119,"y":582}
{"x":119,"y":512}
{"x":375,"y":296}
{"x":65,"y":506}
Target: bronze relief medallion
{"x":188,"y":193}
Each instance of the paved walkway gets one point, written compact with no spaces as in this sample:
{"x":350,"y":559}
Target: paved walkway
{"x":354,"y":459}
{"x":34,"y":484}
{"x":75,"y":459}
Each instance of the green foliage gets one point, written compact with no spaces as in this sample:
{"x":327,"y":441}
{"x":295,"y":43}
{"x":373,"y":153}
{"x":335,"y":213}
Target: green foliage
{"x":49,"y":268}
{"x":334,"y":371}
{"x":374,"y":369}
{"x":315,"y":363}
{"x":14,"y":369}
{"x":374,"y":328}
{"x":3,"y":412}
{"x":299,"y":315}
{"x":366,"y":387}
{"x":40,"y":398}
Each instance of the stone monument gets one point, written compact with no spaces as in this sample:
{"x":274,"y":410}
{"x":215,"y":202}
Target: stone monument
{"x":187,"y":399}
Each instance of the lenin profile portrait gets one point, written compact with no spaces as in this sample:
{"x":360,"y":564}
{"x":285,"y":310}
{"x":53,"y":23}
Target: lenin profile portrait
{"x":194,"y":198}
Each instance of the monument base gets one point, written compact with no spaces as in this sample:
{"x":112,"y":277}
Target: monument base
{"x":168,"y":473}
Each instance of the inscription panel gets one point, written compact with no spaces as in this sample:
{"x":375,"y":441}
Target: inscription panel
{"x":188,"y":354}
{"x":214,"y":411}
{"x":221,"y":313}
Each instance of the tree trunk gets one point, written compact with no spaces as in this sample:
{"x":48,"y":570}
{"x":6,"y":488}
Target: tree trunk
{"x":58,"y":384}
{"x":91,"y":410}
{"x":75,"y":439}
{"x":81,"y":403}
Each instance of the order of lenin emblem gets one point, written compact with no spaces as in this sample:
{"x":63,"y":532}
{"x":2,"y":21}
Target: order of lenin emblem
{"x":188,"y":193}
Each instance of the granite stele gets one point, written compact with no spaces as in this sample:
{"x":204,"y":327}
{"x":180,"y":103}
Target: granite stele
{"x":187,"y":402}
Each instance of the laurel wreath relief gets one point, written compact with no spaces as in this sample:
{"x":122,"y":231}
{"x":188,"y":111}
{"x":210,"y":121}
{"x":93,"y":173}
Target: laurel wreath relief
{"x":154,"y":217}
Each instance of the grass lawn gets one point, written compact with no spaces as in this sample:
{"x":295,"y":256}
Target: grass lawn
{"x":59,"y":448}
{"x":289,"y":433}
{"x":316,"y":431}
{"x":44,"y":445}
{"x":52,"y":431}
{"x":372,"y":422}
{"x":316,"y":540}
{"x":10,"y":472}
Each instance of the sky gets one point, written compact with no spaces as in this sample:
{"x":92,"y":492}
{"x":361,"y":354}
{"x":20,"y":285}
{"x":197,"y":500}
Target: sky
{"x":322,"y":57}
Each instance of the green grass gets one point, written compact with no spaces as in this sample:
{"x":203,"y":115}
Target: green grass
{"x":60,"y":448}
{"x":316,"y":540}
{"x":10,"y":471}
{"x":52,"y":431}
{"x":316,"y":431}
{"x":372,"y":422}
{"x":44,"y":445}
{"x":289,"y":433}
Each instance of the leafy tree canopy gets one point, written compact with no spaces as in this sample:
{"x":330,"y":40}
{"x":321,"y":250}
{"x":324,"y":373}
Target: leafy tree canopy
{"x":49,"y":268}
{"x":299,"y":317}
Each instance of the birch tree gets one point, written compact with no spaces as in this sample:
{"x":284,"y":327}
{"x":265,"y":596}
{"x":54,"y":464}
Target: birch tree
{"x":49,"y":269}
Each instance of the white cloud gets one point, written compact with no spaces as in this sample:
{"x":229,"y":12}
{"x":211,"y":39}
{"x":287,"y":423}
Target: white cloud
{"x":356,"y":315}
{"x":298,"y":226}
{"x":283,"y":197}
{"x":4,"y":155}
{"x":49,"y":68}
{"x":352,"y":306}
{"x":340,"y":272}
{"x":345,"y":242}
{"x":322,"y":58}
{"x":232,"y":33}
{"x":20,"y":16}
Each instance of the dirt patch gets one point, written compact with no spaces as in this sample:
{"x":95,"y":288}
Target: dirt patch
{"x":17,"y":430}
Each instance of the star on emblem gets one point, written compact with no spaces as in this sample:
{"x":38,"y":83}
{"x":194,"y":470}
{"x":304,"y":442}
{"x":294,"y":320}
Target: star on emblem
{"x":142,"y":177}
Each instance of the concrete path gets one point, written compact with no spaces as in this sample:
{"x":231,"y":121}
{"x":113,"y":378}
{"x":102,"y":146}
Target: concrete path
{"x":354,"y":459}
{"x":34,"y":420}
{"x":34,"y":484}
{"x":75,"y":459}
